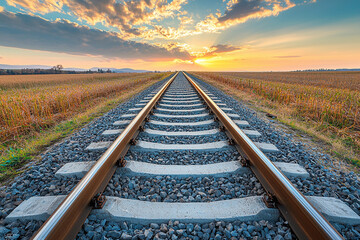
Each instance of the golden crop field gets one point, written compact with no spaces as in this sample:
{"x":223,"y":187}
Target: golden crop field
{"x":28,"y":81}
{"x":328,"y":100}
{"x":349,"y":80}
{"x":29,"y":103}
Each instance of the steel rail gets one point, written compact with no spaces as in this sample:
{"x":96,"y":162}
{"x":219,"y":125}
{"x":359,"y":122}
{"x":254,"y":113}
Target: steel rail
{"x":68,"y":218}
{"x":303,"y":218}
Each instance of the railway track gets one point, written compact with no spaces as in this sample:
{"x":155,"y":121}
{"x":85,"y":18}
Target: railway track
{"x":184,"y":163}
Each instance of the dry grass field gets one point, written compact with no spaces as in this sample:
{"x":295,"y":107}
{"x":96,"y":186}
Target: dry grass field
{"x":30,"y":104}
{"x":328,"y":102}
{"x":42,"y":80}
{"x":349,"y":80}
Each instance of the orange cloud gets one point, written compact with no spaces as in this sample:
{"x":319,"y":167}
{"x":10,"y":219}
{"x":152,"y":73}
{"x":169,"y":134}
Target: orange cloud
{"x":202,"y":53}
{"x":185,"y":20}
{"x":214,"y":50}
{"x":127,"y":16}
{"x":177,"y":60}
{"x":45,"y":6}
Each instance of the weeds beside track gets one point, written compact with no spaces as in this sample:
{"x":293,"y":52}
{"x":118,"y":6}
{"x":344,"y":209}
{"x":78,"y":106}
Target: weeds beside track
{"x":330,"y":109}
{"x":28,"y":109}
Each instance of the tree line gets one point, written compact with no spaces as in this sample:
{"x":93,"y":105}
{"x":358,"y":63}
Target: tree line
{"x":58,"y":69}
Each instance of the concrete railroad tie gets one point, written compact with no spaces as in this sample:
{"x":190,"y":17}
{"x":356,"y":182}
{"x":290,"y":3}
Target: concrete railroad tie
{"x":249,"y":133}
{"x":144,"y":212}
{"x":136,"y":168}
{"x":99,"y":146}
{"x":175,"y":99}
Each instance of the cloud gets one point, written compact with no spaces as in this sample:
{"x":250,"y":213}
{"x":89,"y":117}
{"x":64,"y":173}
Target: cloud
{"x":212,"y":51}
{"x":240,"y":11}
{"x":183,"y":61}
{"x":287,"y":56}
{"x":185,"y":20}
{"x":127,"y":16}
{"x":215,"y":50}
{"x":220,"y":48}
{"x":30,"y":32}
{"x":203,"y":52}
{"x":44,"y":6}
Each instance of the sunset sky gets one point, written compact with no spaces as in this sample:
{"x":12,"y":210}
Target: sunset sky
{"x":223,"y":35}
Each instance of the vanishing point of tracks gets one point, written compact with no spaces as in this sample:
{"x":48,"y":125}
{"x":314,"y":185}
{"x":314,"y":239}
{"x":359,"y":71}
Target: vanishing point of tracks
{"x":183,"y":116}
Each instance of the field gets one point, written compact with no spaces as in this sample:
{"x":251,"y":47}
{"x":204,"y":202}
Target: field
{"x":31,"y":104}
{"x":42,"y":80}
{"x":347,"y":80}
{"x":326,"y":102}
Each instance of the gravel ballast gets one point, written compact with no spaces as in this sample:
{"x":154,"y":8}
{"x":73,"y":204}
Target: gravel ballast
{"x":189,"y":189}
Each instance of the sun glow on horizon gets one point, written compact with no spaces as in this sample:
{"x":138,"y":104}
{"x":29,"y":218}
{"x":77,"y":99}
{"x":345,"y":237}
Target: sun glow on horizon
{"x":200,"y":61}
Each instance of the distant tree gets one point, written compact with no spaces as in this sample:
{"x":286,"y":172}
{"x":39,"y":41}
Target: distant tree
{"x":108,"y":71}
{"x":58,"y":67}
